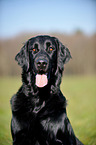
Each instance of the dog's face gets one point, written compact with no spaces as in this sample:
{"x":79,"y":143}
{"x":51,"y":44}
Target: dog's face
{"x":44,"y":57}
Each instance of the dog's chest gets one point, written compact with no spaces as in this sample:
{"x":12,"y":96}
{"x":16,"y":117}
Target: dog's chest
{"x":53,"y":125}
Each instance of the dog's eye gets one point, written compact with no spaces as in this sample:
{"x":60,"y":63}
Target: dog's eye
{"x":35,"y":48}
{"x":50,"y":49}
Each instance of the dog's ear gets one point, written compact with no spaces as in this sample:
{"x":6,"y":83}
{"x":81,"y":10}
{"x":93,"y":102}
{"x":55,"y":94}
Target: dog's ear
{"x":63,"y":55}
{"x":23,"y":58}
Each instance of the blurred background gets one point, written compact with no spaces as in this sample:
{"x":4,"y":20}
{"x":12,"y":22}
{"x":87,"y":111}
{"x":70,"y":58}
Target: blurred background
{"x":73,"y":22}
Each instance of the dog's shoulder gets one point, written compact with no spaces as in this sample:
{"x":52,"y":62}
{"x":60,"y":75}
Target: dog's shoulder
{"x":17,"y":100}
{"x":61,"y":99}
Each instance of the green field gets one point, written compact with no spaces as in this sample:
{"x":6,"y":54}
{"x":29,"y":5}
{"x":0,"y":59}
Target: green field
{"x":80,"y":92}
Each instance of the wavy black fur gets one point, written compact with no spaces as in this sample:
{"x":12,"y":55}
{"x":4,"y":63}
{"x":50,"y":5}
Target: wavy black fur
{"x":39,"y":114}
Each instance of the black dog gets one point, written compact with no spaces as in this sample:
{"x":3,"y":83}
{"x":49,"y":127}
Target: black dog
{"x":39,"y":108}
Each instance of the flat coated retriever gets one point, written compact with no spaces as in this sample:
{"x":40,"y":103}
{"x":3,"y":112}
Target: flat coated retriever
{"x":39,"y":108}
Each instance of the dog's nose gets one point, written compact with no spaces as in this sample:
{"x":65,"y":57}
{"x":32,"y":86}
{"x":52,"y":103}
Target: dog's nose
{"x":42,"y":64}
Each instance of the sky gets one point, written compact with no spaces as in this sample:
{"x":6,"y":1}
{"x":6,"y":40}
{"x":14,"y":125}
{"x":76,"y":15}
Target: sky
{"x":64,"y":16}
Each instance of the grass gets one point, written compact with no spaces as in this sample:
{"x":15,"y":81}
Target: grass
{"x":80,"y":92}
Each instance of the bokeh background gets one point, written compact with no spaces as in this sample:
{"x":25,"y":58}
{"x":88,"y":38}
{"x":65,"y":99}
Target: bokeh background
{"x":73,"y":22}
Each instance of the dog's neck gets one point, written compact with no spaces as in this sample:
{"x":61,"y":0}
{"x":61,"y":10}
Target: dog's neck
{"x":34,"y":91}
{"x":44,"y":92}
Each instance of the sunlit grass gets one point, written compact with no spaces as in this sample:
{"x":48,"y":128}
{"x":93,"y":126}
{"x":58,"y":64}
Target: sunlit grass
{"x":8,"y":86}
{"x":80,"y":92}
{"x":81,"y":95}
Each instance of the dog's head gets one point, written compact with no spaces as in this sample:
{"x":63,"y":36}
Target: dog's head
{"x":43,"y":57}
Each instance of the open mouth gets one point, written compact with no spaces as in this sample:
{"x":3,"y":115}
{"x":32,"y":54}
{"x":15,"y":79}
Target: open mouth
{"x":41,"y":80}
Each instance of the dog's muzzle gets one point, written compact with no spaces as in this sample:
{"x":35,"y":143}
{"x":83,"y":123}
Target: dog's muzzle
{"x":41,"y":66}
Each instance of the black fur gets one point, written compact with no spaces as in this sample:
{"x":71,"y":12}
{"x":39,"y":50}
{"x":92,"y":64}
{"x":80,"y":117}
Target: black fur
{"x":39,"y":114}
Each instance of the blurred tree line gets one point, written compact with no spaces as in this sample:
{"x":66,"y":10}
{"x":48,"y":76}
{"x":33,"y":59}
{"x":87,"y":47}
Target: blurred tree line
{"x":81,"y":46}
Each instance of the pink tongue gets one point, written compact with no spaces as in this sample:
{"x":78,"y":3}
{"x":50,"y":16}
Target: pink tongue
{"x":41,"y":80}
